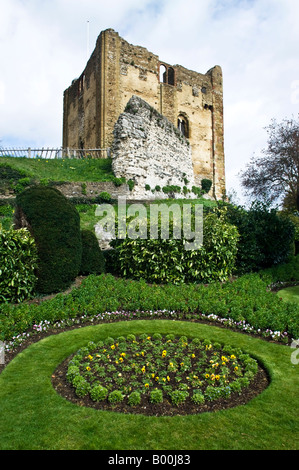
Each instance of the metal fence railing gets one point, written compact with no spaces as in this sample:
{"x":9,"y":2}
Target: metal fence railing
{"x":51,"y":153}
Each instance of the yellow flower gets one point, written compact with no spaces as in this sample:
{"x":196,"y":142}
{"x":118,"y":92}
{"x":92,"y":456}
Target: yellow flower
{"x":236,"y":368}
{"x":157,"y":378}
{"x":153,"y":375}
{"x":207,"y":376}
{"x":148,"y":337}
{"x":192,"y":355}
{"x":164,"y":353}
{"x":113,"y":346}
{"x":217,"y":377}
{"x":168,"y":378}
{"x":233,"y":356}
{"x":123,"y":354}
{"x":120,"y":359}
{"x":88,"y":368}
{"x":143,"y":369}
{"x":146,"y":385}
{"x":90,"y":357}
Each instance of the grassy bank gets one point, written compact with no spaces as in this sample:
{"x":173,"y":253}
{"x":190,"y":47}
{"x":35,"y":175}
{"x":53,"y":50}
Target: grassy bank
{"x":71,"y":170}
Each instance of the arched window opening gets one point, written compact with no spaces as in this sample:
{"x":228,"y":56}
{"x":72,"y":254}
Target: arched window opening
{"x":183,"y":125}
{"x":167,"y":75}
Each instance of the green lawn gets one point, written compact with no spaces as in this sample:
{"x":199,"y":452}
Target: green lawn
{"x":290,"y":294}
{"x":34,"y":416}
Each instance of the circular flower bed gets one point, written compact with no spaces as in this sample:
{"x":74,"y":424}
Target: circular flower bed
{"x":158,"y":374}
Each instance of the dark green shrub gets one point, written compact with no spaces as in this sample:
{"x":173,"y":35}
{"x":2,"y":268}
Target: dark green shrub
{"x":104,"y":196}
{"x":55,"y":225}
{"x":93,"y":261}
{"x":266,"y":237}
{"x":18,"y":263}
{"x":198,"y":191}
{"x":206,"y":185}
{"x":171,"y":189}
{"x":131,"y":184}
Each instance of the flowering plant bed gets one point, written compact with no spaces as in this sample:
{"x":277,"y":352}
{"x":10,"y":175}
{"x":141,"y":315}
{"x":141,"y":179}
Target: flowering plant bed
{"x":159,"y":375}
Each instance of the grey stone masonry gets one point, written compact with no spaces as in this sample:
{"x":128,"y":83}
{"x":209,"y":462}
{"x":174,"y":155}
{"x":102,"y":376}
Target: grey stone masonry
{"x":149,"y":150}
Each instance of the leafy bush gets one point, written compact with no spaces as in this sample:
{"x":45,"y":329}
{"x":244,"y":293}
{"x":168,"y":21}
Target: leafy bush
{"x":286,"y":272}
{"x":198,"y":397}
{"x":167,"y":260}
{"x":98,"y":393}
{"x":266,"y":237}
{"x":105,"y":196}
{"x":156,"y":396}
{"x":18,"y":263}
{"x":115,"y":397}
{"x":196,"y":190}
{"x":171,"y":189}
{"x":178,"y":397}
{"x":55,"y":225}
{"x":134,"y":399}
{"x":93,"y":261}
{"x":82,"y":387}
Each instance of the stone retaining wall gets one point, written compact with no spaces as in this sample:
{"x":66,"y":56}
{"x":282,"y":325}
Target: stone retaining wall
{"x":149,"y":150}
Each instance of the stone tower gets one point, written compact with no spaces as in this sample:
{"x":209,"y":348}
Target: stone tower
{"x":116,"y":71}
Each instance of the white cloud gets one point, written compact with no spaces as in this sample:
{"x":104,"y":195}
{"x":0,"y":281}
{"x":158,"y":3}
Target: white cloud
{"x":43,"y":47}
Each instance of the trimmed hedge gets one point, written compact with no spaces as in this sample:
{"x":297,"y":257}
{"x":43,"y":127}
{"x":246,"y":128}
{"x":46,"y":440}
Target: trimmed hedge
{"x":93,"y":261}
{"x":55,"y":225}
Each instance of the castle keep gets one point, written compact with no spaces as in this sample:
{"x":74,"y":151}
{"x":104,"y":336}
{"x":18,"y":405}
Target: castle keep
{"x":117,"y":70}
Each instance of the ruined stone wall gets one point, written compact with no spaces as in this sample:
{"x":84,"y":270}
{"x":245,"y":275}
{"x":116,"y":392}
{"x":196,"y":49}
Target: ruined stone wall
{"x":118,"y":70}
{"x":149,"y":150}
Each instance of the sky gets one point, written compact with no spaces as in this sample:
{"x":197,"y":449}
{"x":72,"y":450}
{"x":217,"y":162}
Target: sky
{"x":45,"y":44}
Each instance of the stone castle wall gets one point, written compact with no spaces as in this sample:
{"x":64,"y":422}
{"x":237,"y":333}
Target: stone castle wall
{"x":118,"y":70}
